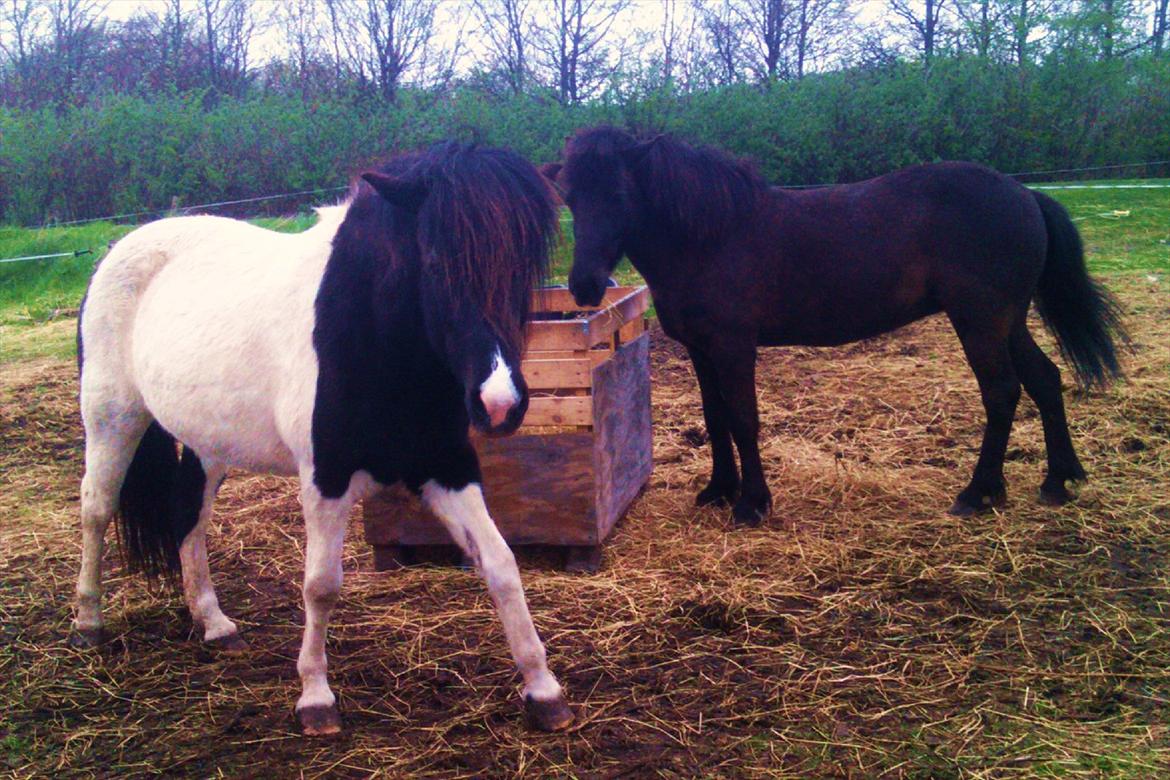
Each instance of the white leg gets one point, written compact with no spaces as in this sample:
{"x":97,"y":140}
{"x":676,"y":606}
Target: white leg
{"x":466,"y":518}
{"x":325,"y":522}
{"x":107,"y":457}
{"x":198,"y":589}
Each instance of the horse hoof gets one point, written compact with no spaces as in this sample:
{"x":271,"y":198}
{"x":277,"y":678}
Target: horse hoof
{"x":232,"y":644}
{"x":715,"y":495}
{"x":1055,"y":496}
{"x":320,"y":720}
{"x":749,"y":515}
{"x":552,"y":715}
{"x":964,"y":508}
{"x":86,"y":638}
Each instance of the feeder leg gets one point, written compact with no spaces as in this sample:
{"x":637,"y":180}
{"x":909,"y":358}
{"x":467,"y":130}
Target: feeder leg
{"x":583,"y":559}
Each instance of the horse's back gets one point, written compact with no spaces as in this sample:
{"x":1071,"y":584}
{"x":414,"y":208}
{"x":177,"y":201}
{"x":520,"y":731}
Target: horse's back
{"x":952,"y":213}
{"x":859,"y":259}
{"x":209,"y":321}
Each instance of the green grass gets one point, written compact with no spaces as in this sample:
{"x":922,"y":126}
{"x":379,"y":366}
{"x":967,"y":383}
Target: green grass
{"x":1125,"y":230}
{"x":35,"y":291}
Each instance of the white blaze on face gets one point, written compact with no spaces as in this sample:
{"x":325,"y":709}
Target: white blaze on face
{"x":498,"y":392}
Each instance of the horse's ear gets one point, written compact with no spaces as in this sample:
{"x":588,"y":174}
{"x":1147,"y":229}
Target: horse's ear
{"x":637,"y":153}
{"x":550,"y":171}
{"x":405,"y":193}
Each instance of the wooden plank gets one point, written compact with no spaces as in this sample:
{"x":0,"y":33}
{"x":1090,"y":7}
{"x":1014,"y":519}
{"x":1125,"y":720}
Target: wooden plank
{"x":631,"y":330}
{"x":559,"y":299}
{"x":559,"y":410}
{"x":623,"y":445}
{"x":603,"y":323}
{"x":594,"y":356}
{"x":619,"y":306}
{"x":557,"y":374}
{"x":528,"y":504}
{"x":558,"y":335}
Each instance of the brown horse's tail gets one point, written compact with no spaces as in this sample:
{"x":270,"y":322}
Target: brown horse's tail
{"x":1078,"y":310}
{"x":159,"y":503}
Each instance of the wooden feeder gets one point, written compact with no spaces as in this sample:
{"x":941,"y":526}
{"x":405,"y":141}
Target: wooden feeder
{"x":580,"y":458}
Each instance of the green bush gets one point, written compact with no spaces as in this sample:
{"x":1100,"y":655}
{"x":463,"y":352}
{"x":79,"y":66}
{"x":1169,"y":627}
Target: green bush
{"x":122,"y":153}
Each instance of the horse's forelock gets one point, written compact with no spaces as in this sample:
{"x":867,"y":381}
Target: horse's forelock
{"x":593,"y":158}
{"x":489,"y":220}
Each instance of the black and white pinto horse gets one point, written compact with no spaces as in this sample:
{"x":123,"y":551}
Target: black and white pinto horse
{"x":354,"y":355}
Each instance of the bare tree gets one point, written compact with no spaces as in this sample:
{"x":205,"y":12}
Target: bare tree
{"x":76,"y":27}
{"x":385,"y":42}
{"x":776,"y":39}
{"x":228,"y":27}
{"x":174,"y":38}
{"x":152,"y":50}
{"x":576,"y":45}
{"x":302,"y":36}
{"x":20,"y":26}
{"x":820,"y":32}
{"x":768,"y":31}
{"x":723,"y":34}
{"x":669,"y":33}
{"x":923,"y":19}
{"x":1158,"y":28}
{"x":508,"y":31}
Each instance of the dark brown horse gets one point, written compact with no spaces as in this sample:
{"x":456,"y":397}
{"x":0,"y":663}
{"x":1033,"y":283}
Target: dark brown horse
{"x":734,"y":265}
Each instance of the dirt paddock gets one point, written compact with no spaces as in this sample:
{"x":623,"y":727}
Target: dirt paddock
{"x":860,"y":632}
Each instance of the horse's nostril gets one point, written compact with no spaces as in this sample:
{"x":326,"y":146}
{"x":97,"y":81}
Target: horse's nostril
{"x":497,"y":409}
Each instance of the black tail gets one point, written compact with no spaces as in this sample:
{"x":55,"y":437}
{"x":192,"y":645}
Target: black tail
{"x":159,"y":503}
{"x":1082,"y":314}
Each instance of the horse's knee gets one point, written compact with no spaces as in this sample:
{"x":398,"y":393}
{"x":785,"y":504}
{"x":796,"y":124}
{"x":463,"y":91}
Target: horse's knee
{"x":322,"y":591}
{"x":499,"y":570}
{"x":98,"y":503}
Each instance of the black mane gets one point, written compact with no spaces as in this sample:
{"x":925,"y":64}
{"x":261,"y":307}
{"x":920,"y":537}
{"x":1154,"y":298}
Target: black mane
{"x":386,"y":400}
{"x":489,"y":218}
{"x":698,"y":192}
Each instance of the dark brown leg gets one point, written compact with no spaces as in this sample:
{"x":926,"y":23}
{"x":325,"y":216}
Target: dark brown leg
{"x":736,"y":371}
{"x":988,"y":354}
{"x":724,"y":484}
{"x":1041,"y":379}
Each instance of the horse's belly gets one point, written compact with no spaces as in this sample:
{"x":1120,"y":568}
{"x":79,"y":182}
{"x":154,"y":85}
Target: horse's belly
{"x":223,"y":430}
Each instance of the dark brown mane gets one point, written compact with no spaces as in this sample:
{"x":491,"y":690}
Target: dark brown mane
{"x":698,"y":192}
{"x":489,"y":219}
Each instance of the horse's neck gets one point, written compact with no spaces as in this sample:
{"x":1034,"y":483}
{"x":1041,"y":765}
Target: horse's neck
{"x":659,"y":256}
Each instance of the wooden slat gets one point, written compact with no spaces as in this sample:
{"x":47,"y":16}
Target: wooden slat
{"x":572,"y":410}
{"x":558,"y":334}
{"x":630,"y":307}
{"x":557,"y":374}
{"x":594,"y":356}
{"x":623,"y":441}
{"x":539,"y":490}
{"x":621,"y":305}
{"x":631,"y":330}
{"x":560,"y":299}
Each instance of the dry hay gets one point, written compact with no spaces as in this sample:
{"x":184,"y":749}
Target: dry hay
{"x":860,"y":632}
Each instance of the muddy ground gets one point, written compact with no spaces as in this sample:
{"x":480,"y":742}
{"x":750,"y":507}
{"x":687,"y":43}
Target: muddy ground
{"x":860,"y":632}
